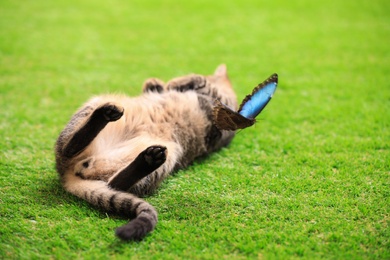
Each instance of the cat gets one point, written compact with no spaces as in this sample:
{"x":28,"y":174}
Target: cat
{"x":116,"y":149}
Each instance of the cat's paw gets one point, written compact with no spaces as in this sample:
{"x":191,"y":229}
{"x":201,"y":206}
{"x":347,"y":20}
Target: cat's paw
{"x":155,"y":155}
{"x":111,"y":112}
{"x":153,"y":85}
{"x":191,"y":82}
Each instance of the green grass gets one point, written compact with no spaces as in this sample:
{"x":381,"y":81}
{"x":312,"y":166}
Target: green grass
{"x":310,"y":180}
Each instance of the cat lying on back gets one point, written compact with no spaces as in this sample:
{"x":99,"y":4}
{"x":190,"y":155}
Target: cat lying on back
{"x":116,"y":148}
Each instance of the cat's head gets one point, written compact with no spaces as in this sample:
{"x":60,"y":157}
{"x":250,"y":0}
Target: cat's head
{"x":220,"y":75}
{"x":221,"y":80}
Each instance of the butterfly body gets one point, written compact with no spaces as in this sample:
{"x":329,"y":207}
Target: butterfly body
{"x":227,"y":119}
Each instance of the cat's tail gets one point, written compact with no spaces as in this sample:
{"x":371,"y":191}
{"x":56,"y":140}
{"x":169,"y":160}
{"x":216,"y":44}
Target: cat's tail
{"x":99,"y":194}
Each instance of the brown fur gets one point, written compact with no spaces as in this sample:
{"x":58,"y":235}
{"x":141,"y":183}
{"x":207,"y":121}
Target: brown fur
{"x":116,"y":148}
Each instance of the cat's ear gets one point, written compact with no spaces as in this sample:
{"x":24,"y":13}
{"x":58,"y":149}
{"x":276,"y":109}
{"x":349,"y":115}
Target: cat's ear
{"x":221,"y":70}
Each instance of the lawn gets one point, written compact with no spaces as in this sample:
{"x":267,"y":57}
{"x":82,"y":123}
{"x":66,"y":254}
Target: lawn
{"x":310,"y":180}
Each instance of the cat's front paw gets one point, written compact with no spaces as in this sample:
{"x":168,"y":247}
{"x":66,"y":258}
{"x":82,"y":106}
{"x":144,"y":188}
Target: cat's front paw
{"x":155,"y":155}
{"x":153,"y":85}
{"x":191,"y":82}
{"x":111,"y":112}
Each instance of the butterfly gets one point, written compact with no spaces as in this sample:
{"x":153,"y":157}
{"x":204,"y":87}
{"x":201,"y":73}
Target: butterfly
{"x":227,"y":119}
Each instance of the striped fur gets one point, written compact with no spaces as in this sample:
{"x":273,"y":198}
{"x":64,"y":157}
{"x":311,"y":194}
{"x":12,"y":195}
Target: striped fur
{"x":116,"y":148}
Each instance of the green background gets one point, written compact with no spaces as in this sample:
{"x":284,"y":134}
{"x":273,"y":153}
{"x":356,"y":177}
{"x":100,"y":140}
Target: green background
{"x":310,"y":180}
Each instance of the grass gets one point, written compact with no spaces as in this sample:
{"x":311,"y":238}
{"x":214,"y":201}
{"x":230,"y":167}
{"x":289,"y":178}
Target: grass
{"x":310,"y":180}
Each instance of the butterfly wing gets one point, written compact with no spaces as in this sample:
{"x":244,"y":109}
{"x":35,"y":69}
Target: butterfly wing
{"x":227,"y":119}
{"x":254,"y":103}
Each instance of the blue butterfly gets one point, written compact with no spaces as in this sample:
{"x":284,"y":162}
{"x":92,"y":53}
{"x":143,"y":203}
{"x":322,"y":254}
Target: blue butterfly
{"x":227,"y":119}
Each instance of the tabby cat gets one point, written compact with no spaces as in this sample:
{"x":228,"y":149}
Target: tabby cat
{"x":116,"y":148}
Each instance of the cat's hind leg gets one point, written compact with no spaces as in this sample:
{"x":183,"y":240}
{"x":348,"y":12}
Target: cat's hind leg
{"x":77,"y":136}
{"x":144,"y":164}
